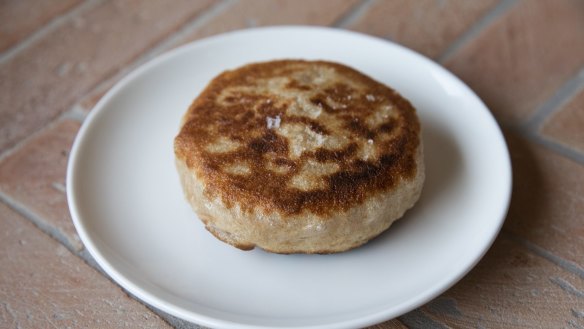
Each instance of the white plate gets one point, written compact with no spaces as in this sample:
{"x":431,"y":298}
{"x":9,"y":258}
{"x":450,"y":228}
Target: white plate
{"x":128,"y":207}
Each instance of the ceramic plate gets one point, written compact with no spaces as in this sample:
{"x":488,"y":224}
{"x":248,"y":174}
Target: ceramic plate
{"x":128,"y":207}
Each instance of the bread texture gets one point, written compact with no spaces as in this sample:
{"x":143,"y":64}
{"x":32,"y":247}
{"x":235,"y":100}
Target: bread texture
{"x":298,"y":156}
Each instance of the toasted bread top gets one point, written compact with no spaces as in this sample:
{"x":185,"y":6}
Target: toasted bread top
{"x":290,"y":136}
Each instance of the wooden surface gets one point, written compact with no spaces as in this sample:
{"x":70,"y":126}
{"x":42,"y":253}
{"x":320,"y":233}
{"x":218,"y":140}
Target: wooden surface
{"x":525,"y":59}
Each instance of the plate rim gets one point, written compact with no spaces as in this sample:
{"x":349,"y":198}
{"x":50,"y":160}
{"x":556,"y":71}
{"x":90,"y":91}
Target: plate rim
{"x":189,"y":315}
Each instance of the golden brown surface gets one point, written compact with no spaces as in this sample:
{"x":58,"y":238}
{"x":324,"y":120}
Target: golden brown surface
{"x":292,"y":136}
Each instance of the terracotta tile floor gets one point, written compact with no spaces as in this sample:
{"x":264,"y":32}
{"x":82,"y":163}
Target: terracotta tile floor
{"x":525,"y":59}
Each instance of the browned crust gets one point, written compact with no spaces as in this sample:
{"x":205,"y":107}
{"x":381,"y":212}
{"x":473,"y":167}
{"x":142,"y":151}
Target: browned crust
{"x":245,"y":121}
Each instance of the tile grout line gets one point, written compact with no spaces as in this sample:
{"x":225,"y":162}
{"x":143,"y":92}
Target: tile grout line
{"x":47,"y":28}
{"x":171,"y":320}
{"x":567,"y":287}
{"x":354,"y":13}
{"x":37,"y":221}
{"x":49,"y":230}
{"x":195,"y":24}
{"x":419,"y":319}
{"x":75,"y":113}
{"x":162,"y":46}
{"x":471,"y":33}
{"x":83,"y":254}
{"x":556,"y":147}
{"x":561,"y":97}
{"x":55,"y":234}
{"x":567,"y":265}
{"x":546,"y":142}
